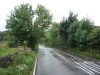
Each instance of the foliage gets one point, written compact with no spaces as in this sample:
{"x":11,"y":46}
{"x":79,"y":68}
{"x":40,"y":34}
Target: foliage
{"x":52,"y":37}
{"x":43,"y":20}
{"x":74,"y":33}
{"x":72,"y":37}
{"x":65,"y":25}
{"x":47,"y":38}
{"x":84,"y":29}
{"x":54,"y":33}
{"x":94,"y":39}
{"x":2,"y":35}
{"x":20,"y":26}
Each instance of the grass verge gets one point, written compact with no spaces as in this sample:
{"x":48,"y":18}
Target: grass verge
{"x":85,"y":54}
{"x":6,"y":51}
{"x":22,"y":64}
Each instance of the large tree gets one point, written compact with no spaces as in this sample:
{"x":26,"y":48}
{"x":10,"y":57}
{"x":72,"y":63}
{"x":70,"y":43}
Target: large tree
{"x":64,"y":27}
{"x":19,"y":24}
{"x":43,"y":20}
{"x":72,"y":37}
{"x":85,"y":27}
{"x":94,"y":39}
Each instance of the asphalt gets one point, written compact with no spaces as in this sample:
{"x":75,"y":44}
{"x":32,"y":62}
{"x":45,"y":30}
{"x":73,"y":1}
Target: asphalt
{"x":51,"y":62}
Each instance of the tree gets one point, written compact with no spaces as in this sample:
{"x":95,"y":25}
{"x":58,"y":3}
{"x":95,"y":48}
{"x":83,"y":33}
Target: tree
{"x":43,"y":20}
{"x":47,"y":38}
{"x":19,"y":24}
{"x":54,"y":34}
{"x":72,"y":38}
{"x":94,"y":39}
{"x":86,"y":26}
{"x":64,"y":27}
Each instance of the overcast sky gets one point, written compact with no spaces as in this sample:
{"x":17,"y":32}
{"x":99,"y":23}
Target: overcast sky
{"x":59,"y":8}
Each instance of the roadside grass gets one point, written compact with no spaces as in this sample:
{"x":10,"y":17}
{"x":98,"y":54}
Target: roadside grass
{"x":86,"y":54}
{"x":22,"y":64}
{"x":22,"y":61}
{"x":7,"y":51}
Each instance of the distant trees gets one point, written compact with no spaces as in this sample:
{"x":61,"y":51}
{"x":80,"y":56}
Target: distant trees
{"x":2,"y":35}
{"x":85,"y":27}
{"x":65,"y":28}
{"x":54,"y":34}
{"x":74,"y":33}
{"x":94,"y":39}
{"x":52,"y":37}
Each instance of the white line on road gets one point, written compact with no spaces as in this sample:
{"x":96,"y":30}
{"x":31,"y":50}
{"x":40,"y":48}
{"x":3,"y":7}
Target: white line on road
{"x":84,"y":69}
{"x":89,"y":67}
{"x":34,"y":71}
{"x":60,"y":55}
{"x":93,"y":65}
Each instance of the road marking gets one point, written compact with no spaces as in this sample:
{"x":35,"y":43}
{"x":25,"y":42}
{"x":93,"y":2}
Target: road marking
{"x":80,"y":66}
{"x":89,"y":67}
{"x":84,"y":69}
{"x":60,"y":55}
{"x":93,"y":65}
{"x":34,"y":71}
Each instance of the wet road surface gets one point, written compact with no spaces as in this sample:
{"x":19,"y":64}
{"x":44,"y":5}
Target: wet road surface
{"x":51,"y":62}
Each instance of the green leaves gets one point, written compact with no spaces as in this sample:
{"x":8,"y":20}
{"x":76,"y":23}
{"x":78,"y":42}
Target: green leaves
{"x":67,"y":28}
{"x":43,"y":19}
{"x":94,"y":39}
{"x":76,"y":33}
{"x":19,"y":23}
{"x":52,"y":37}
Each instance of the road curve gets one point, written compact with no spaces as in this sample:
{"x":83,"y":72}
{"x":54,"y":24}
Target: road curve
{"x":51,"y":62}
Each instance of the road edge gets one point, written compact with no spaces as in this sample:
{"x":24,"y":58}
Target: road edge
{"x":35,"y":66}
{"x":69,"y":55}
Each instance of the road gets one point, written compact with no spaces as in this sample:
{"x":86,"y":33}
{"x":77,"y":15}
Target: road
{"x":52,"y":62}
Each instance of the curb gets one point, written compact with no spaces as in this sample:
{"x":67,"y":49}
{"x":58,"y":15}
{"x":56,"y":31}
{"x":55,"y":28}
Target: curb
{"x":34,"y":71}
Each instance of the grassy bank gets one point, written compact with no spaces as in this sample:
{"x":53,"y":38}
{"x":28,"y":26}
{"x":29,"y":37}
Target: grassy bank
{"x":87,"y":54}
{"x":7,"y":51}
{"x":22,"y":64}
